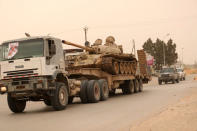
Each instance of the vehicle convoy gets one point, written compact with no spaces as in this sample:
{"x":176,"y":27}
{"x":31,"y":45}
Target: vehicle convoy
{"x":181,"y":73}
{"x":168,"y":74}
{"x":39,"y":69}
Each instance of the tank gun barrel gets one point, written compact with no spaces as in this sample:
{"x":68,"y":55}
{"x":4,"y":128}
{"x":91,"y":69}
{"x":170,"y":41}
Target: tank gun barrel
{"x":79,"y":46}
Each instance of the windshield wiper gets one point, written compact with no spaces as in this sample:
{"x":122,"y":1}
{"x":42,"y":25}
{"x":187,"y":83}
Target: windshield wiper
{"x":25,"y":57}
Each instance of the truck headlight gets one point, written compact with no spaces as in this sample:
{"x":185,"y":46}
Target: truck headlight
{"x":3,"y":90}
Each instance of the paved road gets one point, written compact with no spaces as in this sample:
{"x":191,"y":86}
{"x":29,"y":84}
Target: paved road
{"x":117,"y":113}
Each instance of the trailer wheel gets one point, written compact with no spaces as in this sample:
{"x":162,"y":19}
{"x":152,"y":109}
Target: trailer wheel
{"x":160,"y":82}
{"x":112,"y":92}
{"x":136,"y":86}
{"x":128,"y":87}
{"x":104,"y":90}
{"x":59,"y":100}
{"x":140,"y":85}
{"x":47,"y":102}
{"x":16,"y":106}
{"x":93,"y":91}
{"x":173,"y":81}
{"x":83,"y":91}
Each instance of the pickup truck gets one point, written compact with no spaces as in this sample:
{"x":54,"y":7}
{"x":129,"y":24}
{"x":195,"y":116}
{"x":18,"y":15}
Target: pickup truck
{"x":168,"y":75}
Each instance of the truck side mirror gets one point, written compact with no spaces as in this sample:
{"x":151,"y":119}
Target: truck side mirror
{"x":52,"y":48}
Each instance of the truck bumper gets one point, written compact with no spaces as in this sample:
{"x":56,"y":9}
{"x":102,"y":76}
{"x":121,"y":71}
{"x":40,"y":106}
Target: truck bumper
{"x":22,"y":85}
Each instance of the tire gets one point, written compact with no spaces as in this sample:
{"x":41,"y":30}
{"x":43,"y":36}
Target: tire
{"x":136,"y":86}
{"x":160,"y":82}
{"x":83,"y":91}
{"x":93,"y":91}
{"x":47,"y":102}
{"x":177,"y":80}
{"x":173,"y":81}
{"x":16,"y":106}
{"x":104,"y":90}
{"x":140,"y":85}
{"x":128,"y":87}
{"x":183,"y":78}
{"x":59,"y":100}
{"x":70,"y":99}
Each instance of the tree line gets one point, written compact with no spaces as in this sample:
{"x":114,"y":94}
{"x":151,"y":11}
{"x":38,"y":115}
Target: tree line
{"x":157,"y":48}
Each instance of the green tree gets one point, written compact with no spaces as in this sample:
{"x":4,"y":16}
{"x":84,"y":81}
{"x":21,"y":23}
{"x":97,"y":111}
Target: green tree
{"x":171,"y":55}
{"x":156,"y":50}
{"x":149,"y":46}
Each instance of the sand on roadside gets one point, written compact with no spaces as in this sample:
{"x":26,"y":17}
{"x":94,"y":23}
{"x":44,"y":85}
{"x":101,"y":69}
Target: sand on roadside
{"x":181,"y":116}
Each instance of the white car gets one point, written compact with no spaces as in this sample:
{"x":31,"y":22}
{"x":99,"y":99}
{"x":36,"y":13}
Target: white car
{"x":181,"y":73}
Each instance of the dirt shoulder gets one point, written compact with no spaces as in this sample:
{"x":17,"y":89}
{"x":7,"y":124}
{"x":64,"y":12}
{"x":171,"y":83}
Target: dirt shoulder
{"x":181,"y":116}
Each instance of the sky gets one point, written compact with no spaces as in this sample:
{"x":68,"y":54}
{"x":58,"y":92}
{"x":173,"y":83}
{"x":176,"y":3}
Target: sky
{"x":124,"y":19}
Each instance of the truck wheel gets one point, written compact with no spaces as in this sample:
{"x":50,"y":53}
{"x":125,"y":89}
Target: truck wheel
{"x":83,"y":91}
{"x":128,"y":87}
{"x":177,"y":80}
{"x":116,"y":68}
{"x":140,"y":85}
{"x":47,"y":102}
{"x":183,"y":78}
{"x":93,"y":91}
{"x":16,"y":106}
{"x":104,"y":90}
{"x":70,"y":99}
{"x":136,"y":86}
{"x":59,"y":100}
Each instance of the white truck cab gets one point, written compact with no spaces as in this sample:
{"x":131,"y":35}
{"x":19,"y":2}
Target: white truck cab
{"x":33,"y":69}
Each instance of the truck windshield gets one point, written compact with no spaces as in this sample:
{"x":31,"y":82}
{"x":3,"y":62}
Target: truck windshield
{"x":22,"y":49}
{"x":179,"y":70}
{"x":167,"y":70}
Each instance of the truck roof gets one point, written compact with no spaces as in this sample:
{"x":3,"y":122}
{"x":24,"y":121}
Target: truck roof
{"x":29,"y":38}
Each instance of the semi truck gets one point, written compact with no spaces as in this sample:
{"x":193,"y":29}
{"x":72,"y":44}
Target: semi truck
{"x":37,"y":69}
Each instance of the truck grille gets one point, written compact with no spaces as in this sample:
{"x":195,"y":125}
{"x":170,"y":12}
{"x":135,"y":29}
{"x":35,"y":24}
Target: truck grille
{"x":165,"y":75}
{"x":20,"y":73}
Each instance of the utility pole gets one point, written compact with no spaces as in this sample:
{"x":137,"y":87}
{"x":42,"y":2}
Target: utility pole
{"x":134,"y":48}
{"x":182,"y":56}
{"x":85,"y":30}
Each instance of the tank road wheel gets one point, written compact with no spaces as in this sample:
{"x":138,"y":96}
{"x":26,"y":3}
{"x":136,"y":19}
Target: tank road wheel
{"x":129,"y":68}
{"x":140,"y":85}
{"x":116,"y":68}
{"x":126,"y":67}
{"x":122,"y":71}
{"x":83,"y":91}
{"x":137,"y":86}
{"x":16,"y":106}
{"x":93,"y":91}
{"x":104,"y":90}
{"x":59,"y":100}
{"x":128,"y":87}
